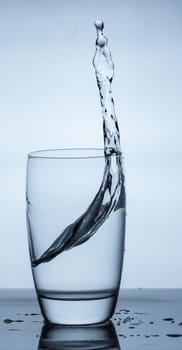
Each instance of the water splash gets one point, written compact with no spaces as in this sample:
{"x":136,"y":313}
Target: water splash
{"x":111,"y":194}
{"x":104,"y":70}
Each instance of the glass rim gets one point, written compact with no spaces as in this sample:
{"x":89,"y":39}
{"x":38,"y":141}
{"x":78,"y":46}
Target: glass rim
{"x":58,"y":153}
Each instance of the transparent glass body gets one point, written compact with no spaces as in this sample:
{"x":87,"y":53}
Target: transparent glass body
{"x":79,"y":285}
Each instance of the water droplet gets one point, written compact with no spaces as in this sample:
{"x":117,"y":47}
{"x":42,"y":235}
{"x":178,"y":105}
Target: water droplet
{"x":168,"y":319}
{"x":34,"y":314}
{"x":174,"y":335}
{"x":101,"y":41}
{"x":7,"y":320}
{"x":99,"y":24}
{"x":155,"y":335}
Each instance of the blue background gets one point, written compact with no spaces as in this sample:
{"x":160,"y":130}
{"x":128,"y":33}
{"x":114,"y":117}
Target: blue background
{"x":49,"y":99}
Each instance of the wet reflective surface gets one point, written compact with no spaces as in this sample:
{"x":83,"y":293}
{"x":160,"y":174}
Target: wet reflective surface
{"x":143,"y":319}
{"x":88,"y":337}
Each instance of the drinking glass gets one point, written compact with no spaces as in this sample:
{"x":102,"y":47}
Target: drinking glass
{"x":76,"y":256}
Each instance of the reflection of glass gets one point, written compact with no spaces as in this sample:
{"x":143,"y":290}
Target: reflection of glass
{"x":95,"y":337}
{"x":76,"y":233}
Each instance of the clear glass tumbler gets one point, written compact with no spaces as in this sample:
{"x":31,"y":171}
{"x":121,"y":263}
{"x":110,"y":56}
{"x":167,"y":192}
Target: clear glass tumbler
{"x":76,"y":254}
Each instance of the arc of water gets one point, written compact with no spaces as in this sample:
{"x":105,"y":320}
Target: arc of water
{"x":110,"y":195}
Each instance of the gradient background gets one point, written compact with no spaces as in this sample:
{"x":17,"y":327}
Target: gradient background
{"x":49,"y":99}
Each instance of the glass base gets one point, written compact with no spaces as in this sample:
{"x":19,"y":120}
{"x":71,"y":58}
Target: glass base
{"x":77,"y":310}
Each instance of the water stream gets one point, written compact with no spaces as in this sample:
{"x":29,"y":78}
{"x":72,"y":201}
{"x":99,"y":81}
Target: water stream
{"x":111,"y":194}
